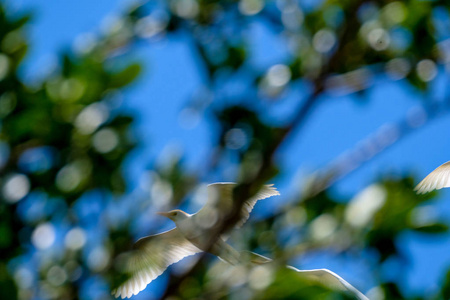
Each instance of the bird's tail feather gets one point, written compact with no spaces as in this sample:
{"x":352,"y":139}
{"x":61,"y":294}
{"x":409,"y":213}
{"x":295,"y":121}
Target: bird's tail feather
{"x":254,"y":258}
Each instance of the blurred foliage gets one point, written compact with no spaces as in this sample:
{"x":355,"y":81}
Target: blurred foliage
{"x":60,"y":138}
{"x":63,"y":140}
{"x":286,"y":285}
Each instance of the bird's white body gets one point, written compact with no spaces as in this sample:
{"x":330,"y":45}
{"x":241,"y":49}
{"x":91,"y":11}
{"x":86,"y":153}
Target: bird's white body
{"x":201,"y":238}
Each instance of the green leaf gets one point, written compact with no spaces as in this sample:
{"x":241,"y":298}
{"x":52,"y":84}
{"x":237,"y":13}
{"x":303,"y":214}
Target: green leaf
{"x":126,"y":76}
{"x":446,"y":287}
{"x":7,"y":284}
{"x":433,"y":228}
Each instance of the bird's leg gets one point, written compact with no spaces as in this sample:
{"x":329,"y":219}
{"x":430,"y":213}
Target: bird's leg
{"x":225,"y":252}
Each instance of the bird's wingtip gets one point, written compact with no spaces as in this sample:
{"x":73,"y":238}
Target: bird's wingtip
{"x":272,"y":189}
{"x":417,"y":189}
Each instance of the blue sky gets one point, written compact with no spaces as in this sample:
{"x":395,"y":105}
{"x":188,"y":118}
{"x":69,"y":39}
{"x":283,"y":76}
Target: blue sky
{"x":336,"y":125}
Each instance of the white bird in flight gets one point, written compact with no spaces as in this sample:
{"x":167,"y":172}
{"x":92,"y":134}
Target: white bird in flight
{"x":192,"y":234}
{"x":438,"y":179}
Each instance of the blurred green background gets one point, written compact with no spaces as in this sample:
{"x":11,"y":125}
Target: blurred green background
{"x":111,"y":111}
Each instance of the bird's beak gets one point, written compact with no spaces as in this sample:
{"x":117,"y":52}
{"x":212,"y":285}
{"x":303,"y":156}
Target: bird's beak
{"x":164,"y":214}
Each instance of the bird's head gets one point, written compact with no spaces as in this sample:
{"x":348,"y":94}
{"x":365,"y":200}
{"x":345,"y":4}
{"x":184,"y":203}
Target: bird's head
{"x":175,"y":215}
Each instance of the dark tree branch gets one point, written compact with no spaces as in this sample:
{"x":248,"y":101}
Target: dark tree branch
{"x":244,"y":190}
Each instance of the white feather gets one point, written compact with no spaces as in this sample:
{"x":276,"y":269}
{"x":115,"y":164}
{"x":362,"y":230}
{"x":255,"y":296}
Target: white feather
{"x":438,"y":179}
{"x":220,"y":199}
{"x":152,"y":256}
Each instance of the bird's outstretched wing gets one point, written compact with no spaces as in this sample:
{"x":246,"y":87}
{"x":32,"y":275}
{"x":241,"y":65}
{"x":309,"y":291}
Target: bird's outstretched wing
{"x":438,"y":179}
{"x":150,"y":257}
{"x":323,"y":277}
{"x":220,"y":202}
{"x":331,"y":280}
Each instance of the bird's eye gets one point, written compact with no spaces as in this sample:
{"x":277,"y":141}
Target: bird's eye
{"x":174,"y":213}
